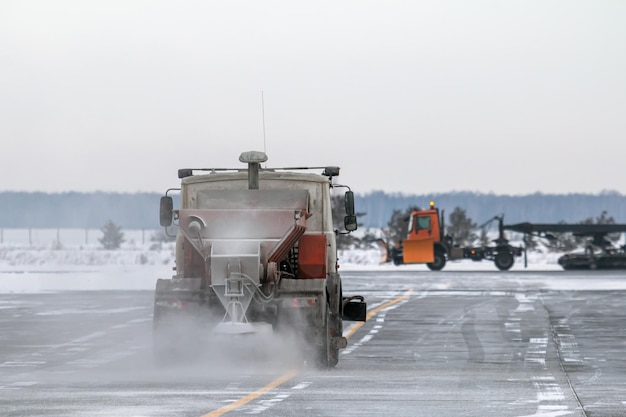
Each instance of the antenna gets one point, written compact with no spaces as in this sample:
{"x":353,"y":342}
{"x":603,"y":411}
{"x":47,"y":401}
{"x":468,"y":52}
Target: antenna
{"x":263,"y":113}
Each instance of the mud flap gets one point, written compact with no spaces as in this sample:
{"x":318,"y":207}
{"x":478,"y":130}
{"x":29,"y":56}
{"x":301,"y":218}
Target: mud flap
{"x":178,"y":288}
{"x":354,"y":308}
{"x":339,"y":342}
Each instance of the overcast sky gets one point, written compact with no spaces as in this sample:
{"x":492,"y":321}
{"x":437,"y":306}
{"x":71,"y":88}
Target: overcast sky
{"x":510,"y":97}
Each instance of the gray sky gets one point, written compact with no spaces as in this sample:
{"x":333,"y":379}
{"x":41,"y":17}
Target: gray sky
{"x":510,"y":97}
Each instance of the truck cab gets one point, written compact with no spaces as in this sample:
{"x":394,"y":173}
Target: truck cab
{"x":424,"y":232}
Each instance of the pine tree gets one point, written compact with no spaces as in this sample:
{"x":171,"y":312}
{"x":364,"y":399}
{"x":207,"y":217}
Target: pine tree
{"x":461,"y":227}
{"x":608,"y":240}
{"x":398,"y":224}
{"x":561,"y":242}
{"x":530,"y":242}
{"x":483,"y":239}
{"x":604,"y":218}
{"x":112,"y":236}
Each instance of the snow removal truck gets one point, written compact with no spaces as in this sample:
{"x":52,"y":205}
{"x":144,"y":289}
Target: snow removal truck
{"x":256,"y":252}
{"x":427,"y":243}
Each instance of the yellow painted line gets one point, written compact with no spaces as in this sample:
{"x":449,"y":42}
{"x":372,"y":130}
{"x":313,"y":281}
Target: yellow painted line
{"x":288,"y":375}
{"x":256,"y":394}
{"x":375,"y":311}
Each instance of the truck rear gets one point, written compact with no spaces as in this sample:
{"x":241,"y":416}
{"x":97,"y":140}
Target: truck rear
{"x":256,"y":251}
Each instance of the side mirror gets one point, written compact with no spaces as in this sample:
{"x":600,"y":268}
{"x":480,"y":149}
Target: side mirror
{"x":349,"y":199}
{"x":350,"y":223}
{"x":166,"y":211}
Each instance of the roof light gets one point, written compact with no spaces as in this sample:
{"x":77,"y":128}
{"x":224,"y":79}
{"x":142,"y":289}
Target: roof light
{"x":184,"y":173}
{"x":331,"y":171}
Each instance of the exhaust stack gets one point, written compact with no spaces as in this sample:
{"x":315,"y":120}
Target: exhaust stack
{"x":254,"y":160}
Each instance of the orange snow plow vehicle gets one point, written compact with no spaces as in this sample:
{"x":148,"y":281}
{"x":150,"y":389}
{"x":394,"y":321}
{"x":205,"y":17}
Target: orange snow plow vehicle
{"x":426,"y":243}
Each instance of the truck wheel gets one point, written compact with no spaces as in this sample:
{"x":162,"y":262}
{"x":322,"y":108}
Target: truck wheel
{"x":504,"y":260}
{"x":328,"y":351}
{"x":396,"y":256}
{"x":439,"y":262}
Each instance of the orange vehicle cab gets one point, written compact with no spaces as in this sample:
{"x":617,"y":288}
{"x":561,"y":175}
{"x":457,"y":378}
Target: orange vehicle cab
{"x":423,"y":233}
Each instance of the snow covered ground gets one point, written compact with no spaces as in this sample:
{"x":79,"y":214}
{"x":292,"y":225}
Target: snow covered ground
{"x":26,"y":268}
{"x":370,"y":259}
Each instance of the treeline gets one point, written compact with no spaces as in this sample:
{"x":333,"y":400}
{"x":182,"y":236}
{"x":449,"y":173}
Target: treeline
{"x":536,"y":208}
{"x":79,"y":210}
{"x":140,"y":210}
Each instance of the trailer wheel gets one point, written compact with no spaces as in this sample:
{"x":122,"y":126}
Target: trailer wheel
{"x":504,"y":260}
{"x":439,"y":262}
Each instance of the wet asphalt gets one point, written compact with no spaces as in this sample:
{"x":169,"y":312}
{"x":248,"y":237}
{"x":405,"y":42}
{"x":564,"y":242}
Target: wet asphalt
{"x":460,"y":343}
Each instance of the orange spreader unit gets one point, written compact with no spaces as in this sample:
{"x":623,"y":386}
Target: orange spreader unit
{"x":312,"y":256}
{"x":418,"y":251}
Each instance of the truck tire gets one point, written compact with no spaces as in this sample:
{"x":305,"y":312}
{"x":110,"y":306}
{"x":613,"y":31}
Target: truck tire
{"x":504,"y":260}
{"x":439,"y":262}
{"x":396,"y":256}
{"x":328,"y":351}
